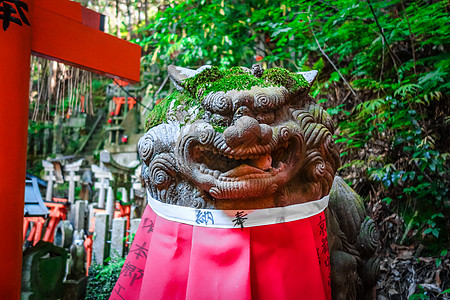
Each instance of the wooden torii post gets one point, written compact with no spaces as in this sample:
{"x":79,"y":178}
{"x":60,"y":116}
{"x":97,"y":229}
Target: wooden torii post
{"x":59,"y":30}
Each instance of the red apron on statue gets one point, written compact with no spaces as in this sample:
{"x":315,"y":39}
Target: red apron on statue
{"x":195,"y":254}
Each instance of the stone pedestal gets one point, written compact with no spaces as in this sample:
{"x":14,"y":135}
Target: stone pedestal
{"x":79,"y":220}
{"x":119,"y":227}
{"x":75,"y":289}
{"x":110,"y":204}
{"x":134,"y":225}
{"x":43,"y":270}
{"x":100,"y":246}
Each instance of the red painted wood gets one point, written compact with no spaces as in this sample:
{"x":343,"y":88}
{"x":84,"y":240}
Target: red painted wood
{"x":57,"y":32}
{"x":65,"y":40}
{"x":91,"y":18}
{"x":69,"y":9}
{"x":15,"y":53}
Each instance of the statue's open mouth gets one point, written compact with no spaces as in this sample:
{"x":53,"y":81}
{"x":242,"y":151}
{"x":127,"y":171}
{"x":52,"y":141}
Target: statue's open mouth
{"x":249,"y":172}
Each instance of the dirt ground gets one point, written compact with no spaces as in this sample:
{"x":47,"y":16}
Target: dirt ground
{"x":406,"y":272}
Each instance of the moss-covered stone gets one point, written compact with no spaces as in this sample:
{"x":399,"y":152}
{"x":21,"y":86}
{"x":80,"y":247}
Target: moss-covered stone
{"x":186,"y":100}
{"x":234,"y":82}
{"x":214,"y":80}
{"x":294,"y":83}
{"x":219,"y":128}
{"x":235,"y":71}
{"x":158,"y":114}
{"x":208,"y":75}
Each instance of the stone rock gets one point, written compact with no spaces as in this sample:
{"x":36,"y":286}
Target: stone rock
{"x":119,"y":227}
{"x":75,"y":289}
{"x":43,"y":271}
{"x":134,"y":225}
{"x":100,"y":246}
{"x":63,"y":234}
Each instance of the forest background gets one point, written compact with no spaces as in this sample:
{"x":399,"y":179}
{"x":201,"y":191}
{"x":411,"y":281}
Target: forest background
{"x":384,"y":77}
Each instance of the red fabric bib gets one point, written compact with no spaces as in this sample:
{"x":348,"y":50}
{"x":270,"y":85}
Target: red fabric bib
{"x":171,"y":260}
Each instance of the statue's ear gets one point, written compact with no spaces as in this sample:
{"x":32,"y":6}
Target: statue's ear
{"x":179,"y":74}
{"x":310,"y":76}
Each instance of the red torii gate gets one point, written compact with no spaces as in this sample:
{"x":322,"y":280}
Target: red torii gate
{"x":59,"y":30}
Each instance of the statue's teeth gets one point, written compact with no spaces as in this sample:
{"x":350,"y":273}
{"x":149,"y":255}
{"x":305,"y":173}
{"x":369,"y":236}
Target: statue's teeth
{"x":216,"y":174}
{"x":215,"y":192}
{"x":202,"y":167}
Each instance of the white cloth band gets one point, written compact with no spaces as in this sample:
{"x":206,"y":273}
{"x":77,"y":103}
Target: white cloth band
{"x":237,"y":218}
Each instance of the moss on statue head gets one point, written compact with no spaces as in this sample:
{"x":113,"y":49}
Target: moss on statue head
{"x":214,"y":80}
{"x":239,"y":82}
{"x":208,"y":75}
{"x":282,"y":77}
{"x":158,"y":114}
{"x":235,"y":71}
{"x":218,"y":128}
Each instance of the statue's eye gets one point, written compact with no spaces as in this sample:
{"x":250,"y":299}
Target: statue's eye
{"x":218,"y":102}
{"x":266,"y":118}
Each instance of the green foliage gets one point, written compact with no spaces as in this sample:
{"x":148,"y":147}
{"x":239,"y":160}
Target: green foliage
{"x":282,"y":77}
{"x":394,"y":123}
{"x":99,"y":85}
{"x":102,"y":279}
{"x":439,"y":259}
{"x":38,"y":127}
{"x":421,"y":295}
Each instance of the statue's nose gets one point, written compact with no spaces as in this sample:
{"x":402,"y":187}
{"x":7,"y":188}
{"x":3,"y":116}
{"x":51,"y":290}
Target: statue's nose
{"x":247,"y":132}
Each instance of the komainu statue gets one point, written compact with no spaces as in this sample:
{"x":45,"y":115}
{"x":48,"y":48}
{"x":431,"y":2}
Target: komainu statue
{"x":240,"y":167}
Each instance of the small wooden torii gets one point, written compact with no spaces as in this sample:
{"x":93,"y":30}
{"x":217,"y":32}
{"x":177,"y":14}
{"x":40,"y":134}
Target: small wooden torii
{"x":59,"y":30}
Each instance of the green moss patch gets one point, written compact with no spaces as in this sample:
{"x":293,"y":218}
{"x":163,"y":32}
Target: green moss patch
{"x":219,"y":128}
{"x":158,"y":114}
{"x":208,"y":75}
{"x":214,"y":80}
{"x":238,"y":82}
{"x":294,"y":83}
{"x":235,"y":71}
{"x":186,"y":100}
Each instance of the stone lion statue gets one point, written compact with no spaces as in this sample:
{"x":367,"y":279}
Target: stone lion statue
{"x":254,"y":139}
{"x":239,"y":134}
